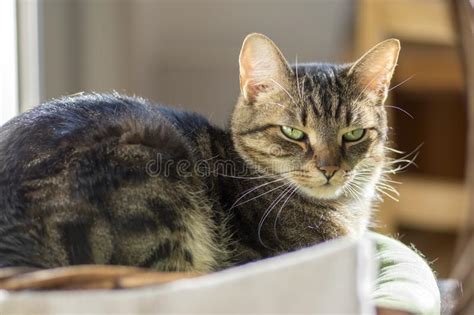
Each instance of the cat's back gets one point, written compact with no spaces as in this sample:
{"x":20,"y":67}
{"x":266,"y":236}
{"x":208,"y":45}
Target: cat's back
{"x":76,"y":184}
{"x":81,"y":119}
{"x":71,"y":123}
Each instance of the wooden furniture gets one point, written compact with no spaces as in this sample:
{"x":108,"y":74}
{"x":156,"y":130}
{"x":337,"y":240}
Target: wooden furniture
{"x":429,"y":203}
{"x":433,"y":197}
{"x":85,"y":277}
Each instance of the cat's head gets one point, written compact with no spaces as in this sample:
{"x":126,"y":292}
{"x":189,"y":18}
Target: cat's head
{"x":322,"y":126}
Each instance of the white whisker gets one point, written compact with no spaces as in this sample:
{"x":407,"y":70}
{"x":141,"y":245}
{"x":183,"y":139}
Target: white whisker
{"x":284,"y":90}
{"x":253,"y":189}
{"x":253,"y":198}
{"x":401,"y":83}
{"x":268,"y":211}
{"x":298,"y":79}
{"x":279,"y":212}
{"x":387,"y":194}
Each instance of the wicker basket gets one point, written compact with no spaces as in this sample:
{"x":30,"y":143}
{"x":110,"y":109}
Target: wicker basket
{"x":85,"y":277}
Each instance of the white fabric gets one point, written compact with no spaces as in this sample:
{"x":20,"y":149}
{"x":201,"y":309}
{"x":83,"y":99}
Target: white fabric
{"x":405,"y":281}
{"x":334,"y":277}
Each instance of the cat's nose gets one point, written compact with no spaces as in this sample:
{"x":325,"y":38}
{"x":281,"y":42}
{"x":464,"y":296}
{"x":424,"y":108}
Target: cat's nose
{"x":328,"y":171}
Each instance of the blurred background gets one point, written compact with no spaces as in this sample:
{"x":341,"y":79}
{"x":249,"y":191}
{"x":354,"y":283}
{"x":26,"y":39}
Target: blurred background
{"x":184,"y":53}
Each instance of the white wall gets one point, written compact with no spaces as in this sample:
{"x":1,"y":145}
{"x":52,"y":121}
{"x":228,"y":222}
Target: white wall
{"x":181,"y":52}
{"x":8,"y":61}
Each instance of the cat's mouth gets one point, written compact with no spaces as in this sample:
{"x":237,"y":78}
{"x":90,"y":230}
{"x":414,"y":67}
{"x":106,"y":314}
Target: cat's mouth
{"x":318,"y":186}
{"x":325,"y":191}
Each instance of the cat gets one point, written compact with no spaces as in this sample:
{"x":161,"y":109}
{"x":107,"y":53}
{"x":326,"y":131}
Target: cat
{"x":111,"y":179}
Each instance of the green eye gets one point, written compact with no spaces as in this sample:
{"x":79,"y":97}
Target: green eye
{"x":354,"y":135}
{"x":292,"y":133}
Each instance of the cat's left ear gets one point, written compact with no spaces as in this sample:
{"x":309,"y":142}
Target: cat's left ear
{"x":374,"y":70}
{"x":262,"y":65}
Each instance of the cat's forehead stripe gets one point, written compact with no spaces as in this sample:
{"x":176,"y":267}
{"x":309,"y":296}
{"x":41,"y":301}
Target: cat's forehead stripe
{"x":349,"y":117}
{"x":310,"y":99}
{"x":325,"y":94}
{"x":304,"y":116}
{"x":322,"y":90}
{"x":339,"y":90}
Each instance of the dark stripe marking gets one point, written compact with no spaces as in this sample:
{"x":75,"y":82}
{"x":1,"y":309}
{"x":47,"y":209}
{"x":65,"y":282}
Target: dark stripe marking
{"x":162,"y":252}
{"x":348,"y":116}
{"x":138,"y":224}
{"x":167,"y":214}
{"x":76,"y":243}
{"x":188,"y":256}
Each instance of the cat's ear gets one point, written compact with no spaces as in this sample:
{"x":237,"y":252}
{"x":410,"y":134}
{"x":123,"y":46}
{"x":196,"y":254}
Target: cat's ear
{"x":261,"y":65}
{"x":374,"y":70}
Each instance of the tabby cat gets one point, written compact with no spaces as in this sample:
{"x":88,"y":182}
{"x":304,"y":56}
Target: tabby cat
{"x":110,"y":179}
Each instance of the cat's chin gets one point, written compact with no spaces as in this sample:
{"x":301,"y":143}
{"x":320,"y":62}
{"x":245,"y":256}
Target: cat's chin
{"x":326,"y":192}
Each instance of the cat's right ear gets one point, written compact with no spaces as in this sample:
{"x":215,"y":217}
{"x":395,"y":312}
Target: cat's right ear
{"x":374,"y":70}
{"x":261,"y":65}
